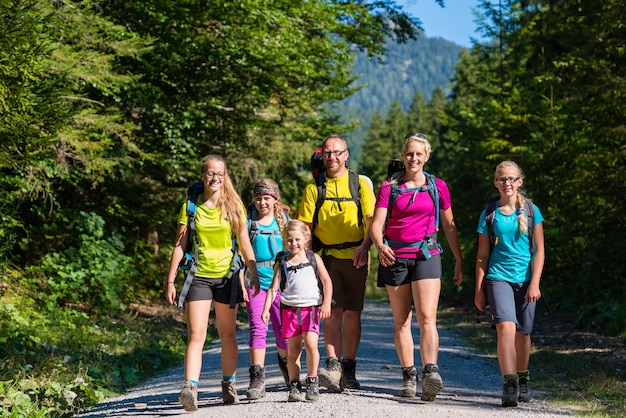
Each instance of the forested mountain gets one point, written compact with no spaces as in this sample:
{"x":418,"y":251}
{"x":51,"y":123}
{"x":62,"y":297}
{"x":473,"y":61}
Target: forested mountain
{"x":419,"y":65}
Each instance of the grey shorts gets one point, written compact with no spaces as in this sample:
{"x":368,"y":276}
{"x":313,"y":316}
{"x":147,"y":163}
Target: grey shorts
{"x":407,"y":270}
{"x":348,"y":282}
{"x":212,"y":289}
{"x":507,"y":304}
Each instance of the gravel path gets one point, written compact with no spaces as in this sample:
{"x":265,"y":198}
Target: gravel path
{"x":471,"y":385}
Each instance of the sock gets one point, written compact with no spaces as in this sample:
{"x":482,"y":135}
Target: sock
{"x":228,"y":378}
{"x":512,"y":377}
{"x":523,"y":374}
{"x":193,"y":382}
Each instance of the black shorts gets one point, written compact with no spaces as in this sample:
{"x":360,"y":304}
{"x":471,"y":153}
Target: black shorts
{"x":213,"y":289}
{"x":407,"y":270}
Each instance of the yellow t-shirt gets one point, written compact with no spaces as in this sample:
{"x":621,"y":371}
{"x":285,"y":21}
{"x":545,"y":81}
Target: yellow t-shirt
{"x":338,"y":221}
{"x":215,"y":235}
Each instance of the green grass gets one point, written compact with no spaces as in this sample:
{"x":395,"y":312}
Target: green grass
{"x":578,"y":379}
{"x":55,"y":364}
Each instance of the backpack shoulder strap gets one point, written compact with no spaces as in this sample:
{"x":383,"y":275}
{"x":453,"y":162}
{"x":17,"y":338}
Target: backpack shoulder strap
{"x":490,"y":213}
{"x":313,"y":262}
{"x":355,"y":193}
{"x":253,"y":229}
{"x":431,"y":183}
{"x":320,"y":182}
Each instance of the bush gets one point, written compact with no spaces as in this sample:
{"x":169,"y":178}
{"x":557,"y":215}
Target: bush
{"x":94,"y":274}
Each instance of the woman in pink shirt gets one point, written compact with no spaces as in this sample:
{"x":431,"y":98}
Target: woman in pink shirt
{"x":404,"y":231}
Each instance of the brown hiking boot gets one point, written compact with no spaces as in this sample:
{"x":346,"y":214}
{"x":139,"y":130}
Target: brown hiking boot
{"x":256,"y":390}
{"x":330,"y":377}
{"x":431,"y":382}
{"x":188,"y":397}
{"x":229,"y":392}
{"x":409,"y":382}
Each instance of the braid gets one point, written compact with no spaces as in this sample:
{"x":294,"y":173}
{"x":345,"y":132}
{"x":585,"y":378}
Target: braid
{"x":278,"y":216}
{"x":522,"y":219}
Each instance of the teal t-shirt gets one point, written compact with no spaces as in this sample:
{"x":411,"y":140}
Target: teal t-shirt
{"x":510,"y":257}
{"x":265,"y":247}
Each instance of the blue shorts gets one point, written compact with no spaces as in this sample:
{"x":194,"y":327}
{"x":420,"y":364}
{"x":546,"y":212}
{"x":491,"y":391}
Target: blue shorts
{"x":407,"y":270}
{"x":507,"y":304}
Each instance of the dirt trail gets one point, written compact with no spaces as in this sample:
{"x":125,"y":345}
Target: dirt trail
{"x":471,"y":385}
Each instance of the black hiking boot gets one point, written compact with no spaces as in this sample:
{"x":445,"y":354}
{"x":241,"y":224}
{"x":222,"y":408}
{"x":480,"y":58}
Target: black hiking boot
{"x":524,"y":387}
{"x":312,"y":388}
{"x":510,"y":390}
{"x":282,"y":365}
{"x":348,"y":376}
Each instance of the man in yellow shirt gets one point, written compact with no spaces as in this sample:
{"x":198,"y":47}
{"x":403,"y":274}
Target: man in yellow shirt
{"x":341,"y":226}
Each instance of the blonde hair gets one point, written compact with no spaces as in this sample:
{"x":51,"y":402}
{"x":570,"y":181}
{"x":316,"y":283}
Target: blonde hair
{"x":522,"y":219}
{"x":296,"y":225}
{"x":408,"y":140}
{"x":266,"y":184}
{"x":229,"y":201}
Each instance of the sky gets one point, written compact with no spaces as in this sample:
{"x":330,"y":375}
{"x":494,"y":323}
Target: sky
{"x":454,"y":23}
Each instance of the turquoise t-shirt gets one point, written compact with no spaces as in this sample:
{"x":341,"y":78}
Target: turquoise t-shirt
{"x":510,"y":257}
{"x":265,"y":247}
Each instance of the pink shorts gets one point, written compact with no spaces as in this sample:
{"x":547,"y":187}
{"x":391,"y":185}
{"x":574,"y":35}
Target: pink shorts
{"x":295,"y":321}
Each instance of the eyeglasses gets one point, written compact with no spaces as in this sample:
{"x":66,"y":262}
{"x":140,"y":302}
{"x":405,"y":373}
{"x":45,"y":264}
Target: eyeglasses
{"x":504,"y":180}
{"x":211,"y":174}
{"x":337,"y":153}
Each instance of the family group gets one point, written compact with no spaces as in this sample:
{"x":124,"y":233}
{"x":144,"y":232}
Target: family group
{"x":312,"y":268}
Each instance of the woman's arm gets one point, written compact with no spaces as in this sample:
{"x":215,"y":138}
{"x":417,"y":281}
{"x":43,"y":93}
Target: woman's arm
{"x":270,"y":295}
{"x":482,"y":263}
{"x":385,"y":253}
{"x":248,"y":255}
{"x":327,"y":286}
{"x":449,"y":228}
{"x":177,"y":254}
{"x":533,"y":294}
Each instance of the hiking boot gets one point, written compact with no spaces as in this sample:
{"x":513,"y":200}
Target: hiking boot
{"x":294,"y":392}
{"x":229,"y":392}
{"x":330,"y":377}
{"x":188,"y":397}
{"x":510,"y":390}
{"x":409,"y":384}
{"x":348,"y":377}
{"x":431,"y":382}
{"x":256,"y":390}
{"x":282,"y":365}
{"x":312,"y":388}
{"x":523,"y":386}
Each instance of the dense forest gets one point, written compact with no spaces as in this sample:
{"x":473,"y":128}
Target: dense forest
{"x":107,"y":107}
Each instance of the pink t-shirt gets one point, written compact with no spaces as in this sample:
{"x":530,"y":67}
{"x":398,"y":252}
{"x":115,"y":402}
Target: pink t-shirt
{"x":412,"y":216}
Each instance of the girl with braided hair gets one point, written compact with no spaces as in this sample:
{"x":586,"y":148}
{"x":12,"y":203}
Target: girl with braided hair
{"x":270,"y":218}
{"x":510,"y":273}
